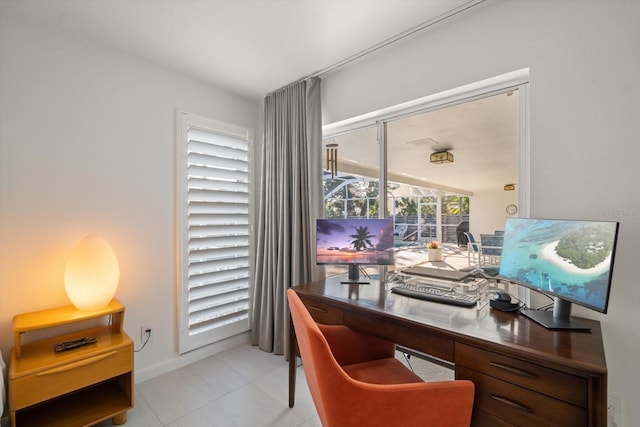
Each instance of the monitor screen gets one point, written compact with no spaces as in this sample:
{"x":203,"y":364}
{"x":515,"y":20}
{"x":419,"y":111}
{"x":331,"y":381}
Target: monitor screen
{"x":571,"y":260}
{"x":354,"y":241}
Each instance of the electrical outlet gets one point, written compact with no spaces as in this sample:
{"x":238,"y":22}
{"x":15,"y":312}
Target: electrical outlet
{"x":143,"y":333}
{"x":614,"y":412}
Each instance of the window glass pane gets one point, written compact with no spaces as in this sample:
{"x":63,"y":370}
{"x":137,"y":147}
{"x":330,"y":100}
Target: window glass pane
{"x":352,"y":190}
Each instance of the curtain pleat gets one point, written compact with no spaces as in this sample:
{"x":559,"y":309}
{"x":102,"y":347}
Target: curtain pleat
{"x":290,"y":200}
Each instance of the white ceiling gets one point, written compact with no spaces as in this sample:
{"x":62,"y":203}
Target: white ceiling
{"x":250,"y":47}
{"x":482,"y":135}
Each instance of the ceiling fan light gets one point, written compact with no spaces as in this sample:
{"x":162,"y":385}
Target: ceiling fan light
{"x":441,"y":157}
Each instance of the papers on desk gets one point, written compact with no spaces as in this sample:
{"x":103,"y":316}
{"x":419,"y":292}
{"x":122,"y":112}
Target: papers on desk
{"x":437,"y":273}
{"x":476,"y":287}
{"x":402,"y":278}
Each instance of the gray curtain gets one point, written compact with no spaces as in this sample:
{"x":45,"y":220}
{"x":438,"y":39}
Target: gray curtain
{"x":291,"y":198}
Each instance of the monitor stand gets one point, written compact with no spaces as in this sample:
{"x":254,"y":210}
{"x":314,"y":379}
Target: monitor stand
{"x":559,"y":318}
{"x":354,"y":276}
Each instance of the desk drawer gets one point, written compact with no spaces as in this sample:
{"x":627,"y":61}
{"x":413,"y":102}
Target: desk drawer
{"x":63,"y":379}
{"x":323,"y":313}
{"x":557,"y":384}
{"x":431,"y":344}
{"x":485,"y":419}
{"x":519,"y":405}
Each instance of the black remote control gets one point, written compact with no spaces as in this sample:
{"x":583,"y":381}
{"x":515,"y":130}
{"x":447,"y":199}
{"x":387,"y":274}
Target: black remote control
{"x":68,"y":345}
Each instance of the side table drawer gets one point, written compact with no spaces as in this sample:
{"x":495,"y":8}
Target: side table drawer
{"x":519,"y":405}
{"x":69,"y":377}
{"x":557,"y":384}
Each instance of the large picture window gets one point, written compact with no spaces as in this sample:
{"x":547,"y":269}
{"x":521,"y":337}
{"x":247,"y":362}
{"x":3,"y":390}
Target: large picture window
{"x":213,"y":196}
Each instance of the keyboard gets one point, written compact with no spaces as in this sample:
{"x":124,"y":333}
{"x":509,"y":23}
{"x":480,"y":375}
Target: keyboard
{"x":431,"y":293}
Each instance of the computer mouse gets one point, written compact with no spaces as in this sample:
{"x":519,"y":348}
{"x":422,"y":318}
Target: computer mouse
{"x":501,"y":296}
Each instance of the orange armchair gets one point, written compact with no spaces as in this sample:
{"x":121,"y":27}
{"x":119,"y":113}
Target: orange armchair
{"x":355,"y":380}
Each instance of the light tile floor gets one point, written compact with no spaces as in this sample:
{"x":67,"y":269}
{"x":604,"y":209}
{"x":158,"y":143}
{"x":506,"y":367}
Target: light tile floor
{"x":247,"y":387}
{"x":243,"y":386}
{"x":240,"y":387}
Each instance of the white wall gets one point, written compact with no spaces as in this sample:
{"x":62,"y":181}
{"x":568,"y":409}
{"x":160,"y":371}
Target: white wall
{"x":584,"y":67}
{"x":488,"y":210}
{"x":87,"y":144}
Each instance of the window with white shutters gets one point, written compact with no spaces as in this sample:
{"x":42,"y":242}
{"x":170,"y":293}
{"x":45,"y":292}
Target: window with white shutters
{"x":213,"y":192}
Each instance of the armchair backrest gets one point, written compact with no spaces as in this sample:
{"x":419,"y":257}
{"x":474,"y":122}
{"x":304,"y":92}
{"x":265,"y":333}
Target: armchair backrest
{"x":341,"y":400}
{"x":321,"y":369}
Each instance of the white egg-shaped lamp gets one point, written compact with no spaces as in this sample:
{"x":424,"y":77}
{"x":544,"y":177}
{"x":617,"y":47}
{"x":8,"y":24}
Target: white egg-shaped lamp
{"x":92,"y":274}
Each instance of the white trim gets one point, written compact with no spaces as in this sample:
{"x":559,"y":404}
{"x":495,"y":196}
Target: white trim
{"x":524,"y":171}
{"x":148,"y":372}
{"x":186,"y":122}
{"x":524,"y":152}
{"x":182,"y":241}
{"x":220,"y":127}
{"x":481,"y":89}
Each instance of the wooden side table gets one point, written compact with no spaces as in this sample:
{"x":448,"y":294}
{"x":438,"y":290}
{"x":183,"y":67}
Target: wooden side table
{"x":78,"y":387}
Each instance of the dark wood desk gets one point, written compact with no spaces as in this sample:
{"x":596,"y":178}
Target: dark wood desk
{"x":524,"y":374}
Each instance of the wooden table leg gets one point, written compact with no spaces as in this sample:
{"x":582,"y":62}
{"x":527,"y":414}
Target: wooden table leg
{"x":292,"y":364}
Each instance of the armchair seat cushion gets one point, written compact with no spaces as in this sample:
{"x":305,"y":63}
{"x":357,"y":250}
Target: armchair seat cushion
{"x":381,"y":371}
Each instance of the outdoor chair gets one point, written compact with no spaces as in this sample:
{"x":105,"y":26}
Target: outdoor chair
{"x":399,"y":231}
{"x":461,"y":230}
{"x":490,"y":249}
{"x":473,"y":249}
{"x":405,"y":235}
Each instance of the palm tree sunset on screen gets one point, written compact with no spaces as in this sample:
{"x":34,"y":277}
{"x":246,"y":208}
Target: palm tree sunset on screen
{"x":361,"y":238}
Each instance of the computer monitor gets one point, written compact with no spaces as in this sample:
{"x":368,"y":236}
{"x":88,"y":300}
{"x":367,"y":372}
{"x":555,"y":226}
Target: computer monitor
{"x":354,"y":242}
{"x":567,"y":259}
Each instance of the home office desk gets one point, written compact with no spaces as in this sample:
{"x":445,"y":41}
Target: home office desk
{"x":524,"y":374}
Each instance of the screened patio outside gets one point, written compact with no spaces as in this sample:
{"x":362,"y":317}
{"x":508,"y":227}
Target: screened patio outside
{"x":419,"y":214}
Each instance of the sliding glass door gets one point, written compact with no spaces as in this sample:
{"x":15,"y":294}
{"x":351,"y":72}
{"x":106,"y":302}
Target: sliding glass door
{"x":437,"y":172}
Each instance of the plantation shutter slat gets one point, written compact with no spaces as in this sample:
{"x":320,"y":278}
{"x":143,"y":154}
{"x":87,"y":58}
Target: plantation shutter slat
{"x":215,"y":236}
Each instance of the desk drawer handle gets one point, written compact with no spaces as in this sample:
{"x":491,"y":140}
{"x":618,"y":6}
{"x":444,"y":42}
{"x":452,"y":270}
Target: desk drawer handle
{"x":75,"y":365}
{"x":322,"y":310}
{"x":512,"y":370}
{"x":510,"y":403}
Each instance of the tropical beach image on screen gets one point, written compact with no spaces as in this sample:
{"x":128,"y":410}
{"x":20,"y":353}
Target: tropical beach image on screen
{"x":571,"y":259}
{"x":354,"y":241}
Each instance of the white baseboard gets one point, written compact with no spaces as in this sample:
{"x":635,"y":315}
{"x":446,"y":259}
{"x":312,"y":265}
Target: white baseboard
{"x":143,"y":374}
